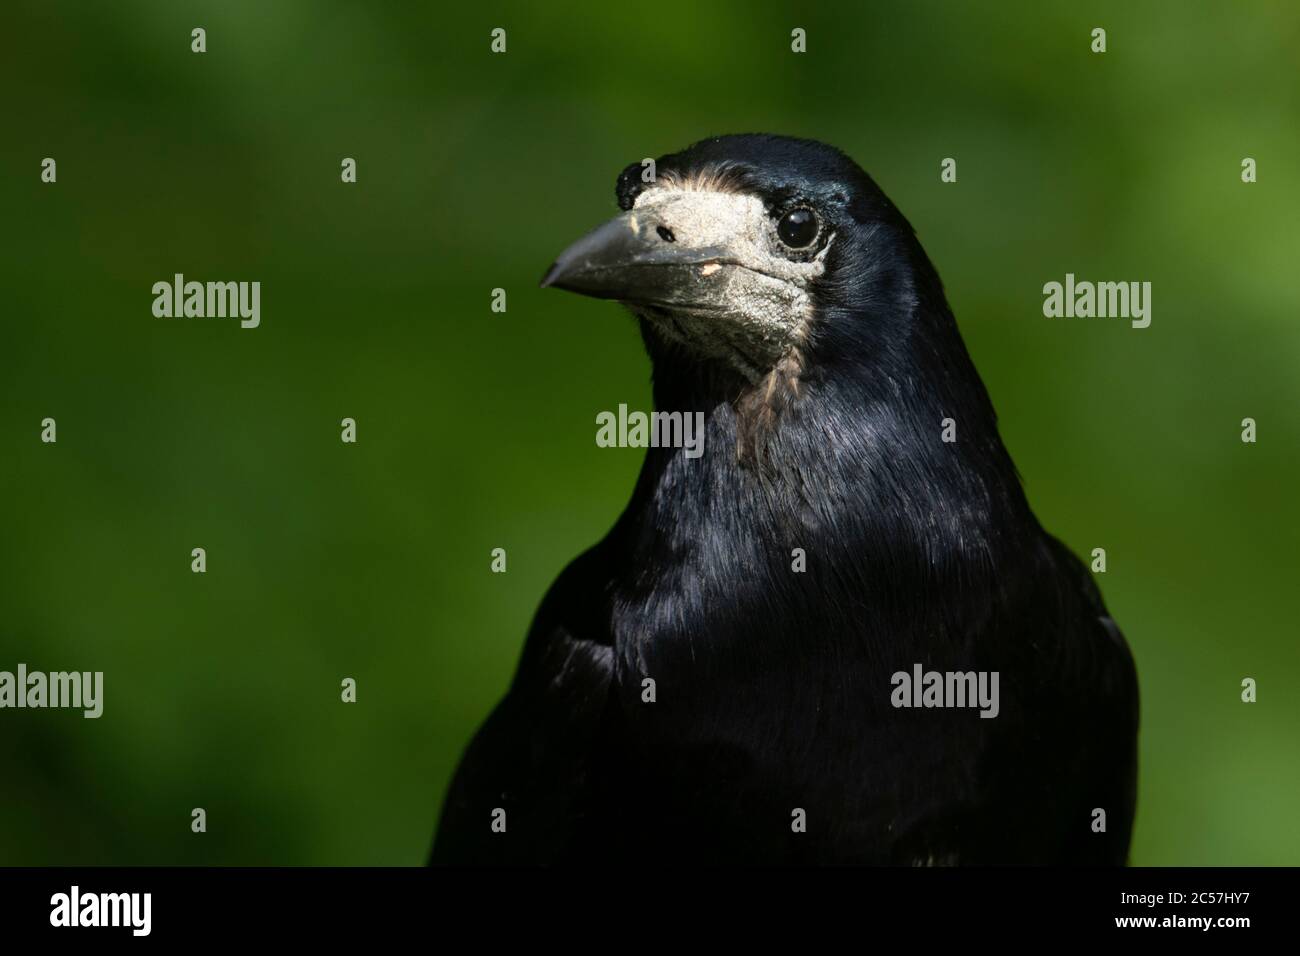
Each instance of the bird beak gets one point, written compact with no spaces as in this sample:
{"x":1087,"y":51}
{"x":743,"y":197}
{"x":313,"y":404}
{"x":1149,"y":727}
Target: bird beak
{"x":635,"y":259}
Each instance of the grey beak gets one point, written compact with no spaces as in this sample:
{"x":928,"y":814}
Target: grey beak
{"x":636,"y":260}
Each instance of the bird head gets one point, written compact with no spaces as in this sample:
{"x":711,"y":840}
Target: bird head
{"x":751,"y":254}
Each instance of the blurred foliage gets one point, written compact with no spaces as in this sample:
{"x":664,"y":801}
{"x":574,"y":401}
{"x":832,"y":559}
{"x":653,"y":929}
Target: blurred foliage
{"x":476,"y":430}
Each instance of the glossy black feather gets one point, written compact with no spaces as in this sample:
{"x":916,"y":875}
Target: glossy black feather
{"x":773,"y":687}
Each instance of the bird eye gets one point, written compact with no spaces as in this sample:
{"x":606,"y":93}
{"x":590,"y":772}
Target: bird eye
{"x":797,"y":228}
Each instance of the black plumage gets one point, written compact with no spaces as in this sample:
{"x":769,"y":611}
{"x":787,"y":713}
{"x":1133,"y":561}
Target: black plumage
{"x":773,"y":687}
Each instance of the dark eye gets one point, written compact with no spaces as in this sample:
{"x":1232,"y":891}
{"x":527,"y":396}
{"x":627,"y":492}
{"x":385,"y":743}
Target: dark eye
{"x":797,"y":228}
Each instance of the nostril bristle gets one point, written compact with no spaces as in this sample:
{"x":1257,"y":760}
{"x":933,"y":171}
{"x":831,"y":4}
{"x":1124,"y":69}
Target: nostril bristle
{"x":666,"y":234}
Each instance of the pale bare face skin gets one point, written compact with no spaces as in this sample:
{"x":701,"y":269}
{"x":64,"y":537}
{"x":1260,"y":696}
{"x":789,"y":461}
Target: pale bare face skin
{"x":752,"y":300}
{"x":705,"y":266}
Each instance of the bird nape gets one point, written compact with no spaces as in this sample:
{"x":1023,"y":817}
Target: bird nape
{"x":840,"y":634}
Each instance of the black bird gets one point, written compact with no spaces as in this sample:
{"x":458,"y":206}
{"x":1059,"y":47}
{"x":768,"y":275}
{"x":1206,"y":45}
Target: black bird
{"x":715,"y":680}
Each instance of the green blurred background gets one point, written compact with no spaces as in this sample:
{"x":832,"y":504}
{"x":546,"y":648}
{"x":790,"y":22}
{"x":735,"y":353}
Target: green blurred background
{"x":476,"y":430}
